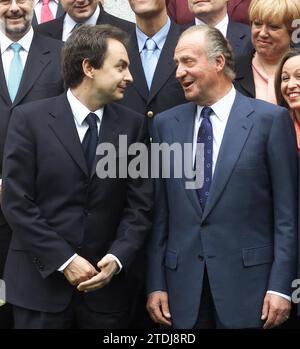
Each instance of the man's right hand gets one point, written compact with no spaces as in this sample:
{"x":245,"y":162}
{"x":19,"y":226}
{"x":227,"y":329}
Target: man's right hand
{"x":79,"y":270}
{"x":158,"y":308}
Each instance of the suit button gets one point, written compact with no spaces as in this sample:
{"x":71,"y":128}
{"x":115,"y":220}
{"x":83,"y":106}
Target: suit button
{"x":41,"y":267}
{"x":150,"y":114}
{"x":200,"y":258}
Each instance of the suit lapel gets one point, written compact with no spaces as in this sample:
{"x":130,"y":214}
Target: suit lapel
{"x":183,"y":131}
{"x":3,"y":86}
{"x":165,"y":66}
{"x":60,"y":11}
{"x":244,"y":75}
{"x":38,"y":54}
{"x":136,"y":68}
{"x":63,"y":125}
{"x":236,"y":133}
{"x":109,"y":131}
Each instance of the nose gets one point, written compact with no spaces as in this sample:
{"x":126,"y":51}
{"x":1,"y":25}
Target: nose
{"x":180,"y":71}
{"x":292,"y":82}
{"x":128,"y":77}
{"x":14,"y":7}
{"x":264,"y":30}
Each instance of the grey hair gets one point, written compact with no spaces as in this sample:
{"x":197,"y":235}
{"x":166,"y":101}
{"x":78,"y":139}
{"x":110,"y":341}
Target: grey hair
{"x":216,"y":45}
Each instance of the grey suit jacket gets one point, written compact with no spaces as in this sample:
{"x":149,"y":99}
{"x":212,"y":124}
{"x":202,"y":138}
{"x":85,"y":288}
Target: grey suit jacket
{"x":247,"y":234}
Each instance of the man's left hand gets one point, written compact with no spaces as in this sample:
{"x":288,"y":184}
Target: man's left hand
{"x":108,"y":267}
{"x":276,"y":310}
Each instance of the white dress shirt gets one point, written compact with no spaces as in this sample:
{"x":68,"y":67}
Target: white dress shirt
{"x":53,"y":4}
{"x":222,"y":25}
{"x":219,"y":117}
{"x":69,"y":23}
{"x":80,"y":112}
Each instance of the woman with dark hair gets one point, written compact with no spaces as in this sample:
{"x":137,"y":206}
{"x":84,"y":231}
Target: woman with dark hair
{"x":287,"y":87}
{"x":287,"y":90}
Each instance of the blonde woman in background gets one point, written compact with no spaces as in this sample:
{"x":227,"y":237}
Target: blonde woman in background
{"x":271,"y":31}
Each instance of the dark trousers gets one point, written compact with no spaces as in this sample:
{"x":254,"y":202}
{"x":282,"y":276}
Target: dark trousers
{"x":6,"y":318}
{"x":207,"y":318}
{"x":77,"y":315}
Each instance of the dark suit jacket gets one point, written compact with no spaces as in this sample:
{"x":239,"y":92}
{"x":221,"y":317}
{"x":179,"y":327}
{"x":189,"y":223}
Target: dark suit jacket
{"x":165,"y":91}
{"x":54,"y":28}
{"x":246,"y":235}
{"x":59,"y":13}
{"x":41,"y":78}
{"x":56,"y":209}
{"x":244,"y":80}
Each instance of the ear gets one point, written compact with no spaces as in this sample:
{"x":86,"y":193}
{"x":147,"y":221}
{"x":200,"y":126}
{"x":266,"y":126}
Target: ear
{"x":87,"y":69}
{"x":220,"y":63}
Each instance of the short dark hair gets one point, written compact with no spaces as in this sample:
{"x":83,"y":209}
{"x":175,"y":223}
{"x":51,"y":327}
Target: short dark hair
{"x":87,"y":42}
{"x":289,"y":54}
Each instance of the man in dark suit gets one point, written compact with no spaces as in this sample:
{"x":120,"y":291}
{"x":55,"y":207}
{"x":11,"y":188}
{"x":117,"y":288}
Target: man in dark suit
{"x":152,"y":93}
{"x":38,"y":60}
{"x":223,"y":254}
{"x":90,"y":12}
{"x":214,"y":13}
{"x":75,"y":230}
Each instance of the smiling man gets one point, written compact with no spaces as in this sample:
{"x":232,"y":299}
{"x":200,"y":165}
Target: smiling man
{"x":29,"y":70}
{"x":78,"y":233}
{"x":80,"y":12}
{"x":224,"y":255}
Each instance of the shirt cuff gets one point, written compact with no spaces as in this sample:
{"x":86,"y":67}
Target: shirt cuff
{"x":281,"y":295}
{"x":63,"y":267}
{"x":118,"y":262}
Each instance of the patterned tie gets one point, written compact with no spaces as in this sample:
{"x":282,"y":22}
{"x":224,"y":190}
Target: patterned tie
{"x":15,"y":71}
{"x":149,"y":60}
{"x":90,"y":140}
{"x":46,"y":14}
{"x":205,"y":136}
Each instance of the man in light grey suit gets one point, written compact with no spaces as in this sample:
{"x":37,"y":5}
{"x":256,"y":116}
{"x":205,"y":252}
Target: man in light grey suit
{"x":228,"y":261}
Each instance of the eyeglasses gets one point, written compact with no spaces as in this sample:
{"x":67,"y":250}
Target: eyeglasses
{"x":8,"y":2}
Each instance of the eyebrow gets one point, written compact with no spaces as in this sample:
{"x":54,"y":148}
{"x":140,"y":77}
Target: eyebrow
{"x":285,"y":72}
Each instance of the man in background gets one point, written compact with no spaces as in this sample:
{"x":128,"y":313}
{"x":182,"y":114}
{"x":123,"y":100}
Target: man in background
{"x":29,"y":70}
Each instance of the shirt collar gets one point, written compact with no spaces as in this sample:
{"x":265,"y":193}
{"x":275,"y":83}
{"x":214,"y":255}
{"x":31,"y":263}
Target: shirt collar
{"x":79,"y":110}
{"x":222,"y":107}
{"x":41,"y":1}
{"x":69,"y":22}
{"x":25,"y":41}
{"x":159,"y":37}
{"x":222,"y":25}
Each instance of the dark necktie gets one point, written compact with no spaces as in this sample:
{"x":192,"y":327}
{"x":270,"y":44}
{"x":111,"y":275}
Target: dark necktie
{"x":205,"y":136}
{"x":90,"y":140}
